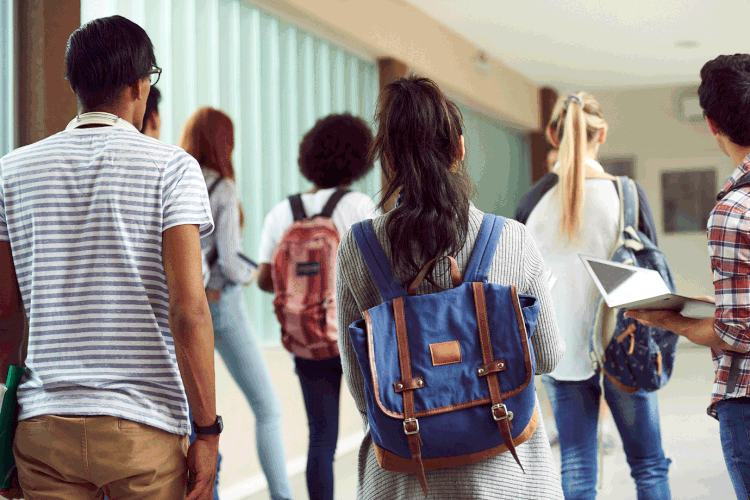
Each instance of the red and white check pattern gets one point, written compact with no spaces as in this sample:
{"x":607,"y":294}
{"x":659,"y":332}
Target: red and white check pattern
{"x":729,"y":247}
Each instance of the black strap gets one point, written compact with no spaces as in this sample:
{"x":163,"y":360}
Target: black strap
{"x":214,"y":255}
{"x":529,"y":201}
{"x":332,"y":202}
{"x":298,"y":210}
{"x":533,"y":196}
{"x":214,"y":186}
{"x":734,"y":372}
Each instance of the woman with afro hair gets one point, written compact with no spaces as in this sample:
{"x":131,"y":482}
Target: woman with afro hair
{"x":332,"y":155}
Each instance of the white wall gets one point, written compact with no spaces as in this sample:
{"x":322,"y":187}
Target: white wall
{"x":644,"y":123}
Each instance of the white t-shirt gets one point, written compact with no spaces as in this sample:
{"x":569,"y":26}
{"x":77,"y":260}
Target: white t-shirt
{"x":575,"y":295}
{"x":352,"y":208}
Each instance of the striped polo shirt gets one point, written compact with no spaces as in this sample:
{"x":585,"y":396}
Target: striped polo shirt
{"x":84,"y":211}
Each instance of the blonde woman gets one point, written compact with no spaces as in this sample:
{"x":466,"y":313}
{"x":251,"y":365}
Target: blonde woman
{"x":575,"y":210}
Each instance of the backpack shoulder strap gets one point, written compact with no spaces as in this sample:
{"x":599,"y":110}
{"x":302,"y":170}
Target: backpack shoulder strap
{"x":332,"y":202}
{"x":629,"y":202}
{"x":213,"y":255}
{"x":214,"y":186}
{"x":376,"y":261}
{"x":530,"y":200}
{"x":298,"y":210}
{"x":484,"y":248}
{"x":629,"y":208}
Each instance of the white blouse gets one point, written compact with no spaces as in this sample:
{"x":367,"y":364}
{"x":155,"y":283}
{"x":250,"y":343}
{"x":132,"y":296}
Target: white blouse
{"x":574,"y":294}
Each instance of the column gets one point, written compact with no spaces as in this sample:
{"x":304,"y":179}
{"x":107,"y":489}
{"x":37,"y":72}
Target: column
{"x":390,"y":70}
{"x":45,"y":101}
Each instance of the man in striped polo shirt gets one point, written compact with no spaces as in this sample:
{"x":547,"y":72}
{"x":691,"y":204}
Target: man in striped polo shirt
{"x":100,"y":232}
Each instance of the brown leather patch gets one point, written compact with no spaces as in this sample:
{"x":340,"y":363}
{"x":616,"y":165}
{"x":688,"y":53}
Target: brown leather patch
{"x":445,"y":353}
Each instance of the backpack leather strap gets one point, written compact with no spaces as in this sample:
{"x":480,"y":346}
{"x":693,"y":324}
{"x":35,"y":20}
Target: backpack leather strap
{"x":298,"y":210}
{"x":499,"y":411}
{"x":455,"y":274}
{"x":411,"y":425}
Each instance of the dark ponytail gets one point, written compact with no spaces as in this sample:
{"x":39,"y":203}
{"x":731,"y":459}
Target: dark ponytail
{"x":419,"y":147}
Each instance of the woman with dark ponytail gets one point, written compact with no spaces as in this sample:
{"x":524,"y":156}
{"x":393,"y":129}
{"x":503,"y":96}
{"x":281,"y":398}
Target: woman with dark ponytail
{"x":575,"y":209}
{"x":421,"y":149}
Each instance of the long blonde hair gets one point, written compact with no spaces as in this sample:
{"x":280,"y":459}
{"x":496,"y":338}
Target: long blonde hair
{"x":575,"y":123}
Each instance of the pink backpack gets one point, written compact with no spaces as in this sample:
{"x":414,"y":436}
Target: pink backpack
{"x":303,"y":272}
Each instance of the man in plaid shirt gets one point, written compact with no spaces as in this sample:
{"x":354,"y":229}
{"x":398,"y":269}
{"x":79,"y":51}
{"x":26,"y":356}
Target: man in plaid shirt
{"x":725,"y":98}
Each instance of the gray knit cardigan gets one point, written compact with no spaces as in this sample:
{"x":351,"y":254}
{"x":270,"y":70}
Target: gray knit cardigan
{"x":517,"y":262}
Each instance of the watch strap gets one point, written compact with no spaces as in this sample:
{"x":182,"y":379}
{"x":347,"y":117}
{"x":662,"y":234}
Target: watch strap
{"x":214,"y":428}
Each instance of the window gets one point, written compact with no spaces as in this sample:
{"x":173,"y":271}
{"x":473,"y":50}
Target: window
{"x":273,"y":78}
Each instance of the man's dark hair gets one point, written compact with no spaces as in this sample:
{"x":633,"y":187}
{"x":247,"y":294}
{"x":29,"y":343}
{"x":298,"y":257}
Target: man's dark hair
{"x":724,"y":95}
{"x":335,"y":151}
{"x":104,"y":56}
{"x":152,"y":105}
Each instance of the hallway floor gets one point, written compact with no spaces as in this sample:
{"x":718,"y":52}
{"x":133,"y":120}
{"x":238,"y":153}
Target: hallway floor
{"x":690,"y":438}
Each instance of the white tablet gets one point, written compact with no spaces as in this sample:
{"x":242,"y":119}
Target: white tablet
{"x":630,"y":287}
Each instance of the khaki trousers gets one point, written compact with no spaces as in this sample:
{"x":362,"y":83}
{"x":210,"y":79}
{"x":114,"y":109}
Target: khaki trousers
{"x":72,"y":458}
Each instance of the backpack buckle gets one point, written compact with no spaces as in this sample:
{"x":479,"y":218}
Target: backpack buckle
{"x":500,"y":412}
{"x":408,"y":422}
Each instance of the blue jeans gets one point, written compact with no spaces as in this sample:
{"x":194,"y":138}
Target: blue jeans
{"x":734,"y":429}
{"x":321,"y":388}
{"x":237,"y":343}
{"x":576,"y":408}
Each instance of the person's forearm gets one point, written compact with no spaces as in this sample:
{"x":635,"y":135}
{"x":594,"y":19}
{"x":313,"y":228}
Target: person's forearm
{"x":698,"y":331}
{"x":703,"y":332}
{"x":194,"y":347}
{"x":265,"y":280}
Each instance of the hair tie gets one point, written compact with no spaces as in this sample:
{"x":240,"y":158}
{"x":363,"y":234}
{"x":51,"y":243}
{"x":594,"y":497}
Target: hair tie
{"x":573,"y":97}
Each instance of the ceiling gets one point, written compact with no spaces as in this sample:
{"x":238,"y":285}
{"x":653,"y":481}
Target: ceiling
{"x":572,"y":44}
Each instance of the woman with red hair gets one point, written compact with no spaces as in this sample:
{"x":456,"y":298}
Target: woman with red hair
{"x":208,"y":136}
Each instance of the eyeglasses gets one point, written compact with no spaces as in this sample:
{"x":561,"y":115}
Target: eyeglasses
{"x":154,"y":75}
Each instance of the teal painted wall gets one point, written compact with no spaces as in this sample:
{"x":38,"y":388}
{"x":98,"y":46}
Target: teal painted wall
{"x":7,"y":74}
{"x":499,"y":162}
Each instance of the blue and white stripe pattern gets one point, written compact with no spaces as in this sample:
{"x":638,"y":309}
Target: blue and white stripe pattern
{"x":226,"y":240}
{"x":84,"y":211}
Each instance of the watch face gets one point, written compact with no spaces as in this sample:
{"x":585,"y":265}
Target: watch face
{"x":219,"y":423}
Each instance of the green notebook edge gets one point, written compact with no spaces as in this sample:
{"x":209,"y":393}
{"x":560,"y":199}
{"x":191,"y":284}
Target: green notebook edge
{"x":8,"y":423}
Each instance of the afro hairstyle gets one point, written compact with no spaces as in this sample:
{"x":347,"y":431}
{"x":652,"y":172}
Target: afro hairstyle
{"x":335,"y":152}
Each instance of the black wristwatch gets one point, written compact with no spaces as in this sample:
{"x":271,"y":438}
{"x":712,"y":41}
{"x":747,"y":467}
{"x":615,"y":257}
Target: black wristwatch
{"x":215,"y":428}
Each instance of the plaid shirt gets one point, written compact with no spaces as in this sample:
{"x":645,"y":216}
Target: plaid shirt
{"x":729,"y":247}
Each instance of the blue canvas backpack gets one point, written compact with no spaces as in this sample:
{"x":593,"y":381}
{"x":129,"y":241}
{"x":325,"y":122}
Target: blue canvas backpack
{"x":633,"y":356}
{"x":448,"y":375}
